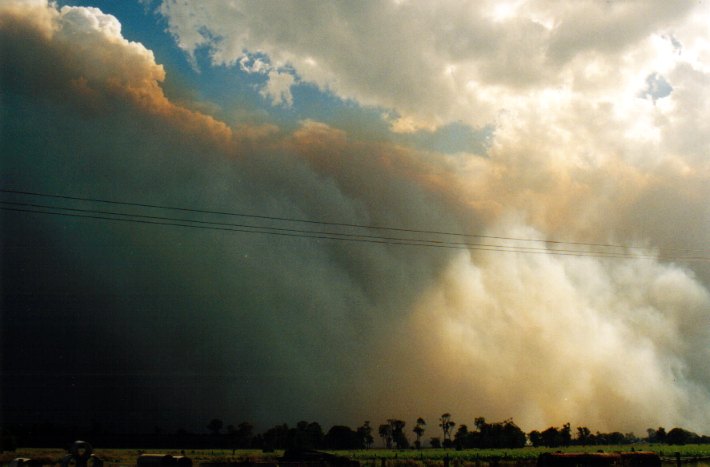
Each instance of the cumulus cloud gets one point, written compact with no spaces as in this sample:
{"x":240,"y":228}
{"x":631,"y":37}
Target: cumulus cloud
{"x":450,"y":61}
{"x":278,"y":329}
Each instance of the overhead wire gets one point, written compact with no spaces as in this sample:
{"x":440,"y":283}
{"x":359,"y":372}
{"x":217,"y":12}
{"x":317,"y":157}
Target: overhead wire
{"x":306,"y":221}
{"x":245,"y":228}
{"x":559,"y":247}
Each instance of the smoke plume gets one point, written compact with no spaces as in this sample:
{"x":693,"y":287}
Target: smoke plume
{"x":139,"y":325}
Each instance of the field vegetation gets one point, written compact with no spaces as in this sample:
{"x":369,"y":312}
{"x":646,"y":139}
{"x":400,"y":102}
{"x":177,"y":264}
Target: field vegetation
{"x":446,"y":443}
{"x":428,"y":457}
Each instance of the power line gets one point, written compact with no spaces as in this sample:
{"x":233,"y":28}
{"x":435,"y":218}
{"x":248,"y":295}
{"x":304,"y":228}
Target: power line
{"x":190,"y":224}
{"x":106,"y":215}
{"x":324,"y":223}
{"x":341,"y":237}
{"x":246,"y":228}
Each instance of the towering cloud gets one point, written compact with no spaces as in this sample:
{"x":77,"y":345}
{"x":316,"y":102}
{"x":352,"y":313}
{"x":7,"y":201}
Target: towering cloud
{"x":136,"y":323}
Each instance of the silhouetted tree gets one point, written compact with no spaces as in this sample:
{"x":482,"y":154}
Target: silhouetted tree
{"x":385,"y":432}
{"x":435,"y":442}
{"x":446,"y":425}
{"x":419,"y":431}
{"x":305,"y":436}
{"x":650,"y":435}
{"x":661,"y":435}
{"x":656,"y":435}
{"x":364,"y":434}
{"x":240,"y":437}
{"x":215,"y":426}
{"x":398,"y":436}
{"x":512,"y":435}
{"x":244,"y":435}
{"x":299,"y":437}
{"x":680,"y":436}
{"x":276,"y":437}
{"x":535,"y":438}
{"x":460,"y":438}
{"x":566,"y":435}
{"x":583,"y":436}
{"x":551,"y":437}
{"x":504,"y":434}
{"x":341,"y":437}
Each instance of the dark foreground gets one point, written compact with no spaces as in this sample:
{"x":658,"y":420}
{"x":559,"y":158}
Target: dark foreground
{"x":84,"y":456}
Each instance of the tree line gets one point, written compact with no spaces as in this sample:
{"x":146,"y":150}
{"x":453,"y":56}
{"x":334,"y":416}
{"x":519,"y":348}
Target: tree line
{"x":393,"y":434}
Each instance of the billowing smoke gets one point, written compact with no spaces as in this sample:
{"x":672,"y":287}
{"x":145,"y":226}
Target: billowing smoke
{"x":143,"y":325}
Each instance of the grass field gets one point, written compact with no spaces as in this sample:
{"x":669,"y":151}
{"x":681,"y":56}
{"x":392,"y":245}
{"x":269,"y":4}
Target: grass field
{"x":370,"y":457}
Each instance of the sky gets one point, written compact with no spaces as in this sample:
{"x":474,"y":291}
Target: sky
{"x":343,"y":211}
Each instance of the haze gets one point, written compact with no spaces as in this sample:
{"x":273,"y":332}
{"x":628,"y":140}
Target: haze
{"x":539,"y":121}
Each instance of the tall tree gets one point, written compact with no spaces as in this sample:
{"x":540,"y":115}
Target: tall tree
{"x":244,"y":435}
{"x":551,"y":437}
{"x":651,"y":438}
{"x":513,"y":436}
{"x":566,"y":435}
{"x":535,"y":438}
{"x":583,"y":435}
{"x":385,"y":432}
{"x":505,"y":434}
{"x":461,"y":437}
{"x":446,"y":425}
{"x":661,"y":435}
{"x":364,"y":434}
{"x":315,"y":434}
{"x":398,"y":436}
{"x":419,"y":431}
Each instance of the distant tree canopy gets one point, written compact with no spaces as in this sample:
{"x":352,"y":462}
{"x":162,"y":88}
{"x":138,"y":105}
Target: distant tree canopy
{"x":342,"y":437}
{"x":555,"y":437}
{"x":309,"y":435}
{"x":681,"y":436}
{"x":504,"y":434}
{"x":241,"y":436}
{"x":656,"y":435}
{"x":306,"y":435}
